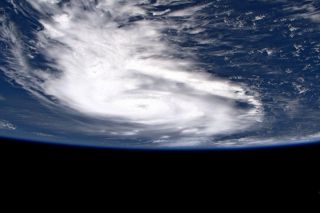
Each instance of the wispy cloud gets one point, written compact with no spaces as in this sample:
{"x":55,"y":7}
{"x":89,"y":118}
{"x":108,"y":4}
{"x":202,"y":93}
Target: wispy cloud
{"x":7,"y":125}
{"x":306,"y":10}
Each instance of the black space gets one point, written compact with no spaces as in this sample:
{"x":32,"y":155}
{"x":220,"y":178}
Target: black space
{"x":275,"y":172}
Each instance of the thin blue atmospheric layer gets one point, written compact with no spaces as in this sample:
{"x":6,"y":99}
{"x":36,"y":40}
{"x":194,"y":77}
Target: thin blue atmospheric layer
{"x":160,"y":74}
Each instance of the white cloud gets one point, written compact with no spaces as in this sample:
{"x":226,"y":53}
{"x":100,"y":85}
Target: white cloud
{"x":126,"y":72}
{"x":6,"y":125}
{"x":308,"y":10}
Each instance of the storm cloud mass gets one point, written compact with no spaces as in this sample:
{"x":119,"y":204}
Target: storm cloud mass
{"x":112,"y":60}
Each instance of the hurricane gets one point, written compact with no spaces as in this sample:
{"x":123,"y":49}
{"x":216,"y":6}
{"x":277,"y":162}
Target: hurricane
{"x":121,"y":71}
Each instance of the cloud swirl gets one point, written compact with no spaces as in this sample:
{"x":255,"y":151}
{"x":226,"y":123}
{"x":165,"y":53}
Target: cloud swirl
{"x":115,"y":63}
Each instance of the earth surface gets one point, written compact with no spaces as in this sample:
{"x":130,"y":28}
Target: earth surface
{"x":160,"y":74}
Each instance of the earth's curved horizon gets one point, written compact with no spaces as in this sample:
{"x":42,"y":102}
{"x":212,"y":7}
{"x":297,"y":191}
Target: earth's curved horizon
{"x":160,"y":74}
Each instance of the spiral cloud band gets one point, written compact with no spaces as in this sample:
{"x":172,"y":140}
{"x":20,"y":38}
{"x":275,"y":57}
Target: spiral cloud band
{"x":113,"y":62}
